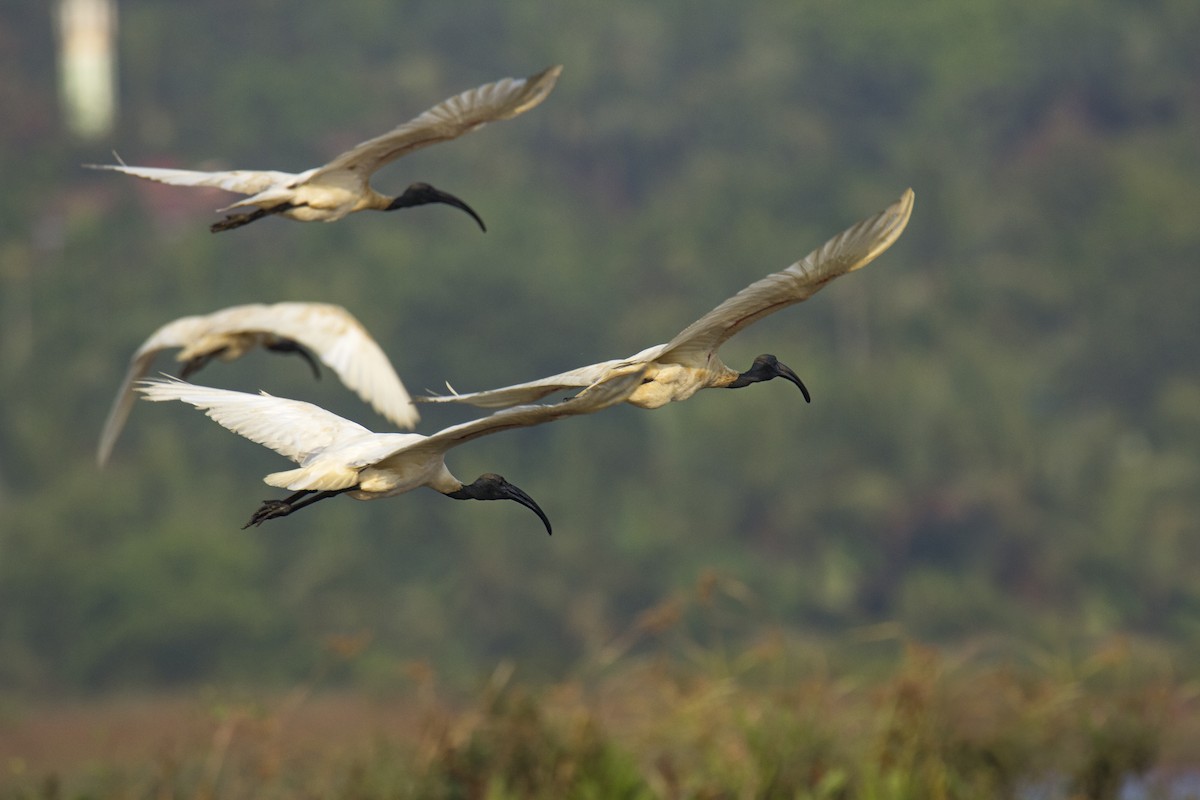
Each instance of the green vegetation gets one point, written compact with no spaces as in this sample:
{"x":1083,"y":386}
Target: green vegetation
{"x":1003,"y":445}
{"x":782,"y":718}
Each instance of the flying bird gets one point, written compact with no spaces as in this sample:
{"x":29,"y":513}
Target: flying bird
{"x":341,"y":187}
{"x":330,"y":332}
{"x":689,"y":362}
{"x":337,"y":456}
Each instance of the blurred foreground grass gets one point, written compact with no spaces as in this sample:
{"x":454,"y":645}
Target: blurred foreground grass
{"x":667,"y":711}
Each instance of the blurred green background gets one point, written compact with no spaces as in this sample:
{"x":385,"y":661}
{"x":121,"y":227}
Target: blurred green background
{"x":1004,"y":440}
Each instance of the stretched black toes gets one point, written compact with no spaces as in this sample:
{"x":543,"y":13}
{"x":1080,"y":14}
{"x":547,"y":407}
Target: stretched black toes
{"x":269,"y":510}
{"x":232,"y":221}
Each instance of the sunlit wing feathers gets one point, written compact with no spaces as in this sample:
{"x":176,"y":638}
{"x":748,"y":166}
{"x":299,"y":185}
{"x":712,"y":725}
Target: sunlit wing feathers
{"x":449,"y":119}
{"x":850,"y":250}
{"x":342,"y":343}
{"x":304,"y":432}
{"x":177,"y":333}
{"x":528,"y":392}
{"x":292,"y":428}
{"x":122,"y":405}
{"x":349,"y":171}
{"x":602,"y":396}
{"x":242,"y":181}
{"x":330,"y":332}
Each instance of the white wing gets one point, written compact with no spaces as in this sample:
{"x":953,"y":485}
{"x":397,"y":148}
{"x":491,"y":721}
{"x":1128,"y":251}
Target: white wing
{"x":242,"y":181}
{"x":533,"y":390}
{"x":291,"y":428}
{"x":178,"y":333}
{"x":449,"y":119}
{"x":850,"y":250}
{"x":337,"y":338}
{"x":342,"y":344}
{"x":599,"y":397}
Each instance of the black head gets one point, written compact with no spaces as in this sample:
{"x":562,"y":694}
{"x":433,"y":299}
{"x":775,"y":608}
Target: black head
{"x":278,"y":344}
{"x":490,"y":486}
{"x":766,"y":367}
{"x":420,"y":194}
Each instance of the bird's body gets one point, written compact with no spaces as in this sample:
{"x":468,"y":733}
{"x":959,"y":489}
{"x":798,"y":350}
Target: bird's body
{"x":337,"y":456}
{"x":688,"y":363}
{"x":351,"y":461}
{"x":669,"y":383}
{"x":333,"y":335}
{"x":663,"y":381}
{"x":341,"y":187}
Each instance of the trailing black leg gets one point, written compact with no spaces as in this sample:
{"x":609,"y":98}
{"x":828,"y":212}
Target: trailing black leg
{"x":238,"y":220}
{"x":270,"y":509}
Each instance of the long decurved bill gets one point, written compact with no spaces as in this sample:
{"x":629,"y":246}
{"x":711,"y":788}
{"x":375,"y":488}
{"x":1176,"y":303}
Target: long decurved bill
{"x":420,"y":194}
{"x":286,"y":346}
{"x":787,"y":373}
{"x":511,"y":492}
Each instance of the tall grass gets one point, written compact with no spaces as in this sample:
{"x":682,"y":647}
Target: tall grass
{"x":673,"y":709}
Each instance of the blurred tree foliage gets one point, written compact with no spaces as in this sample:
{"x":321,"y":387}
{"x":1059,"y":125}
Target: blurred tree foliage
{"x":1005,"y":433}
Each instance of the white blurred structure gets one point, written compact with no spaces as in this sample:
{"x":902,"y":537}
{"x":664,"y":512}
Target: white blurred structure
{"x":87,"y":65}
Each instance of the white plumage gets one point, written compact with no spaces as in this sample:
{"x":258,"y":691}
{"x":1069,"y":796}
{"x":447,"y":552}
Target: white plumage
{"x":689,"y":362}
{"x":341,"y":187}
{"x":337,"y":456}
{"x":330,"y":332}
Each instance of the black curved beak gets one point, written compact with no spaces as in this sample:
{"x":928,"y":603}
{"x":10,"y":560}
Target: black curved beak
{"x":510,"y":492}
{"x":420,"y":194}
{"x":312,"y":363}
{"x":491,"y":486}
{"x":784,"y":371}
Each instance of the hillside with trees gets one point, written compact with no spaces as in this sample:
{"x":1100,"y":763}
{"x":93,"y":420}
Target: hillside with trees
{"x":1004,"y":438}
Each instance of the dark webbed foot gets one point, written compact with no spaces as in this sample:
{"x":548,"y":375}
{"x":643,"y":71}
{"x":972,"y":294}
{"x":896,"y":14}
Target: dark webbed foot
{"x":270,"y":509}
{"x":235,"y":221}
{"x":238,"y":220}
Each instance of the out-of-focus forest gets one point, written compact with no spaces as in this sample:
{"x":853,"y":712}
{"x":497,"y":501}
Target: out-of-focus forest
{"x":1004,"y":440}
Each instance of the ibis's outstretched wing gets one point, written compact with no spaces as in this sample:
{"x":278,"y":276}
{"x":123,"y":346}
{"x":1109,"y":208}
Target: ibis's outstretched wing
{"x":242,"y":181}
{"x":599,"y":397}
{"x":177,"y":333}
{"x":449,"y":119}
{"x":345,"y":346}
{"x":529,"y":392}
{"x":846,"y":252}
{"x":332,"y":333}
{"x":853,"y":248}
{"x":291,"y":428}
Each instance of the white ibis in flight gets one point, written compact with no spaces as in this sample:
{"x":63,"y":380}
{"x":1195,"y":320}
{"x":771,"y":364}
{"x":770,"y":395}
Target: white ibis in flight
{"x":341,"y":187}
{"x":689,"y":362}
{"x":337,"y":456}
